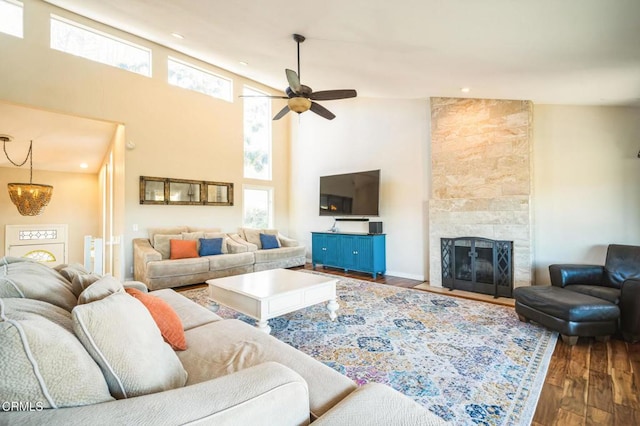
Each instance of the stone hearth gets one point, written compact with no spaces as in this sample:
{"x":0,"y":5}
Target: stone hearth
{"x":481,"y":177}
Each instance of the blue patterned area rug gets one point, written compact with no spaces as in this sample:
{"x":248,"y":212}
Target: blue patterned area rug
{"x":468,"y":362}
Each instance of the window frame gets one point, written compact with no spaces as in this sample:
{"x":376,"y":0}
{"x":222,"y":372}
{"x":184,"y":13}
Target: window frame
{"x":271,"y":197}
{"x":54,"y":17}
{"x":269,"y":132}
{"x":229,"y":95}
{"x":20,"y":5}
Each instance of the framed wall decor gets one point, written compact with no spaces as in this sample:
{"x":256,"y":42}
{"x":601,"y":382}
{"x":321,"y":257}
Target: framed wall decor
{"x":155,"y":190}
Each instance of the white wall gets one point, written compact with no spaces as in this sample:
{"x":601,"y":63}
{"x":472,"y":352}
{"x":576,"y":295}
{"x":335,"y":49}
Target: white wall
{"x":178,"y":133}
{"x":586,"y":178}
{"x":367,"y":134}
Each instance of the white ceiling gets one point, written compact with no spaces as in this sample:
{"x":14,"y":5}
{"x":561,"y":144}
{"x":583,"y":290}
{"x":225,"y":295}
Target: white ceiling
{"x":583,"y":52}
{"x":60,"y":142}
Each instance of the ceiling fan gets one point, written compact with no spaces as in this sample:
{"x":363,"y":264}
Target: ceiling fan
{"x":300,"y":98}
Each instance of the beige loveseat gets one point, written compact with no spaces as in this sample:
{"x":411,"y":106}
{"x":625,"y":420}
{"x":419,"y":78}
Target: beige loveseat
{"x":77,"y":349}
{"x":242,"y":252}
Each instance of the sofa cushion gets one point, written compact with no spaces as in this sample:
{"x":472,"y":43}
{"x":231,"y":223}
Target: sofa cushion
{"x":102,"y":288}
{"x":203,"y":229}
{"x":121,"y":336}
{"x":70,"y":272}
{"x":174,"y":230}
{"x":264,"y":256}
{"x":210,"y":246}
{"x":162,"y":243}
{"x":241,"y":241}
{"x":183,"y":249}
{"x":191,"y":314}
{"x":41,"y":361}
{"x":223,"y":347}
{"x":32,"y":280}
{"x":609,"y":294}
{"x":165,"y":317}
{"x":195,"y":236}
{"x":252,"y":236}
{"x":390,"y":408}
{"x":82,"y":281}
{"x":177,"y":268}
{"x":269,"y":242}
{"x":226,"y":261}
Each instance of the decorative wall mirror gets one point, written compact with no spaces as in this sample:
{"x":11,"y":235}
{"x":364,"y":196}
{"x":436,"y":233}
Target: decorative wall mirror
{"x":154,"y":190}
{"x":218,"y":194}
{"x":185,"y":191}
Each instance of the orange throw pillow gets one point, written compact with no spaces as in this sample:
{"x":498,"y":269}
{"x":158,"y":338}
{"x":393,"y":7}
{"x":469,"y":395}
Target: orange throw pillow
{"x":183,"y":249}
{"x":165,"y":317}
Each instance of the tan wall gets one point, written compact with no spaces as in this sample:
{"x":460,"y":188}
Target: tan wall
{"x":177,"y":133}
{"x":74,"y":202}
{"x":587,"y":176}
{"x":481,"y":177}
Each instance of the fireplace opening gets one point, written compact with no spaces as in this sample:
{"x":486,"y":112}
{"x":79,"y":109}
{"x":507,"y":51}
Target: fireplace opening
{"x":477,"y":264}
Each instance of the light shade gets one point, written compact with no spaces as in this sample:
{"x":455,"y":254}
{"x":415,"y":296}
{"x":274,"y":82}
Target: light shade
{"x":30,"y":198}
{"x":299,"y":104}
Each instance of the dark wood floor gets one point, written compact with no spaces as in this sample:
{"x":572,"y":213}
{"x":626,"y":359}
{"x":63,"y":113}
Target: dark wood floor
{"x":591,"y":383}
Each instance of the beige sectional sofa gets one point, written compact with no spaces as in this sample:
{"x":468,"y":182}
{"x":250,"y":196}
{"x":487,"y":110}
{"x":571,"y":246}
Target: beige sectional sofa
{"x":242,"y":252}
{"x":78,"y":349}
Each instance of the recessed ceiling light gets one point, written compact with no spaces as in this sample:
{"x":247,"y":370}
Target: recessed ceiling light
{"x":84,"y":166}
{"x":465,"y":90}
{"x":243,"y":63}
{"x":178,"y":35}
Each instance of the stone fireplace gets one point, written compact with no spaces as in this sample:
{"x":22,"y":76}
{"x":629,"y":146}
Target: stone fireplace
{"x":481,"y":178}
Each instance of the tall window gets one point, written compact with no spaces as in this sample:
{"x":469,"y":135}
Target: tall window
{"x":71,"y":37}
{"x":257,"y":206}
{"x":11,"y":17}
{"x":193,"y":78}
{"x":257,"y":135}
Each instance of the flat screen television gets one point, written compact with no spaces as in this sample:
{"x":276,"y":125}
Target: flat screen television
{"x":350,"y":194}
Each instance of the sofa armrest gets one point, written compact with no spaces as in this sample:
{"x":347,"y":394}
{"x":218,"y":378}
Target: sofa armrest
{"x":254,"y":396}
{"x":138,"y":285}
{"x":287,"y":242}
{"x":565,"y":274}
{"x":630,"y":309}
{"x":383,"y":405}
{"x":143,"y":253}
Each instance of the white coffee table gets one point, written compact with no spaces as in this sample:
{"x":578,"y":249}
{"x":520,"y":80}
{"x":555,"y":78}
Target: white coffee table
{"x":268,"y":294}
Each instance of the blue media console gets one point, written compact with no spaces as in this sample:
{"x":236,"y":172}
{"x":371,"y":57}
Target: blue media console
{"x":351,"y":252}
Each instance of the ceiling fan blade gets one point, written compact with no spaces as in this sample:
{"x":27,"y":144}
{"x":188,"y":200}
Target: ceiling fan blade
{"x":329,"y":95}
{"x":293,"y":79}
{"x":282,"y":113}
{"x":322,"y":111}
{"x":263,"y":96}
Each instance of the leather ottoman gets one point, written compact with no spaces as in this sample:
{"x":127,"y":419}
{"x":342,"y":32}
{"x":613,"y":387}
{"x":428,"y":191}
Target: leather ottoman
{"x":569,"y":313}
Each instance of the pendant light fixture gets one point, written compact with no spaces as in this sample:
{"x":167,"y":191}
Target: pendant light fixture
{"x":30,"y":198}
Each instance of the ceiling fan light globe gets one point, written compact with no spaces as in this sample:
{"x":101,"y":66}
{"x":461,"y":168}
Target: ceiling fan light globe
{"x":299,"y":104}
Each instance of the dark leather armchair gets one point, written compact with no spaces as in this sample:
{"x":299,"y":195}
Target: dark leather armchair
{"x":618,"y":281}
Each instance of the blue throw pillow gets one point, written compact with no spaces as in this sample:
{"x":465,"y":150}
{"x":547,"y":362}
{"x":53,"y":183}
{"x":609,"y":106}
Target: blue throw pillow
{"x":269,"y":241}
{"x":210,"y":246}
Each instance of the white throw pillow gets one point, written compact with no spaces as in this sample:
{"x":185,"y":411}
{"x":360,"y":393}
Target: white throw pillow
{"x":122,"y":337}
{"x":162,"y":243}
{"x":41,"y":360}
{"x":100,"y":289}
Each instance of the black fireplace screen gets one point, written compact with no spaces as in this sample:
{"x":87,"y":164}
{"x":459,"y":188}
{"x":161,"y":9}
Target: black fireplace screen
{"x":477,"y":264}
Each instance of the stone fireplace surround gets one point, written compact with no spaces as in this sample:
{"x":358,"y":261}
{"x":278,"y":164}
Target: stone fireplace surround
{"x":481,"y":177}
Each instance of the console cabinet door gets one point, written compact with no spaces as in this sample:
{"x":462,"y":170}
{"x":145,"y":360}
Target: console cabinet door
{"x":324,"y":250}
